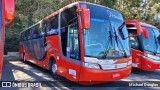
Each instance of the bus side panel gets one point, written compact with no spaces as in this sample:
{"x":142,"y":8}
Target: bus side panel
{"x":148,"y":65}
{"x":73,"y":73}
{"x":1,"y":40}
{"x":43,"y":51}
{"x":136,"y":58}
{"x":53,"y":49}
{"x":26,"y":49}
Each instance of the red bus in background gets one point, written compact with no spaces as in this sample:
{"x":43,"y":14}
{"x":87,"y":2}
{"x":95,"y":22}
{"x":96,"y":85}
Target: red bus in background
{"x":145,"y":46}
{"x":83,"y":42}
{"x":6,"y":16}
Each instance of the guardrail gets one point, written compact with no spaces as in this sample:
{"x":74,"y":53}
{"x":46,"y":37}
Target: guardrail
{"x":14,"y":54}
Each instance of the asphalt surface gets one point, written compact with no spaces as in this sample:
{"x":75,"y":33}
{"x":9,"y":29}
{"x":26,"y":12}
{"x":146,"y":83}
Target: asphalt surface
{"x":16,"y":70}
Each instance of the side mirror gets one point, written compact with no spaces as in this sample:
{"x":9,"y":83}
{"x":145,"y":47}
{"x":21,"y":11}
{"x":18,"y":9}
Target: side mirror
{"x":8,"y":11}
{"x":121,"y":32}
{"x":135,"y":26}
{"x":145,"y":31}
{"x":159,"y":37}
{"x":85,"y":17}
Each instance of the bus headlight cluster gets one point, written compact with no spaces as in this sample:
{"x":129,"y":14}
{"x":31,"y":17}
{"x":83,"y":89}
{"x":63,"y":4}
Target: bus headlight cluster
{"x":92,"y":65}
{"x":116,"y":66}
{"x":107,"y":66}
{"x":152,"y":58}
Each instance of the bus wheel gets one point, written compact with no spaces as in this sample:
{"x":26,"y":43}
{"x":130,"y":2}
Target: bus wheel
{"x":54,"y":70}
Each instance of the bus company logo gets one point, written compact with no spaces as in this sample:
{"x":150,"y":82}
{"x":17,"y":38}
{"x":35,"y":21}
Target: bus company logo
{"x":6,"y":84}
{"x":110,"y":14}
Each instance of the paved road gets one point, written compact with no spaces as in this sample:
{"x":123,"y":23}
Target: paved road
{"x":16,"y":70}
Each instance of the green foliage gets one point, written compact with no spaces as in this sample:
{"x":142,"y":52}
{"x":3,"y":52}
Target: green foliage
{"x":29,"y":12}
{"x":108,"y":3}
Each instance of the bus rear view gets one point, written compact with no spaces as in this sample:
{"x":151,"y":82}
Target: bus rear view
{"x":145,"y":46}
{"x":83,"y":42}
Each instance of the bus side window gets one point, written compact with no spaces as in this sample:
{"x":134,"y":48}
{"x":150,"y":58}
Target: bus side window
{"x":25,"y":36}
{"x":44,"y":29}
{"x":73,"y":42}
{"x":22,"y":36}
{"x":36,"y":33}
{"x":134,"y":42}
{"x":69,"y":33}
{"x":28,"y":34}
{"x":53,"y":26}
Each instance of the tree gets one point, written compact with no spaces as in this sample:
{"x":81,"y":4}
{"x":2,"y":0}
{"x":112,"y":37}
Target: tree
{"x":29,"y":12}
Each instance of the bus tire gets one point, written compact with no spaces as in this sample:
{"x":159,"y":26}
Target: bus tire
{"x":54,"y":69}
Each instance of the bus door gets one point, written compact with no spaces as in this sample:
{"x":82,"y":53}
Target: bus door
{"x":136,"y":52}
{"x":70,"y":42}
{"x":134,"y":30}
{"x":73,"y":52}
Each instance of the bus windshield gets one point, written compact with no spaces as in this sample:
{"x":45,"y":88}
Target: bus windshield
{"x":157,"y":35}
{"x":151,"y":44}
{"x":103,"y":39}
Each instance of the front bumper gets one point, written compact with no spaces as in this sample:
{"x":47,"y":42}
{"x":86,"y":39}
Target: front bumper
{"x":94,"y":76}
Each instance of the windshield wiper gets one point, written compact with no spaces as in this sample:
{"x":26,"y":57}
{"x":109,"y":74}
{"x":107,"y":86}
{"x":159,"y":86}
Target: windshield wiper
{"x":110,"y":41}
{"x":108,"y":45}
{"x":116,"y":39}
{"x":156,"y":42}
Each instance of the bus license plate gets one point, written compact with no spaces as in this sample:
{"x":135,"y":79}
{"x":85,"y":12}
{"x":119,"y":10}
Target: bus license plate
{"x":116,"y":75}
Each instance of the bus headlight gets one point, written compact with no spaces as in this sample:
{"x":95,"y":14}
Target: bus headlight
{"x":129,"y":63}
{"x":92,"y":65}
{"x":152,"y":58}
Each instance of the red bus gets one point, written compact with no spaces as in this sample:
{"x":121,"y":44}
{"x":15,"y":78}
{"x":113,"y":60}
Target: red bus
{"x":6,"y":16}
{"x":83,"y":42}
{"x":145,"y":46}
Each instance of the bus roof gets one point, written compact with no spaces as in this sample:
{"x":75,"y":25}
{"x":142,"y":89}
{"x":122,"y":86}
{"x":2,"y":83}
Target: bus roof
{"x":30,"y":26}
{"x":141,"y":23}
{"x":99,"y":6}
{"x":65,"y":7}
{"x":148,"y":25}
{"x":71,"y":5}
{"x":60,"y":10}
